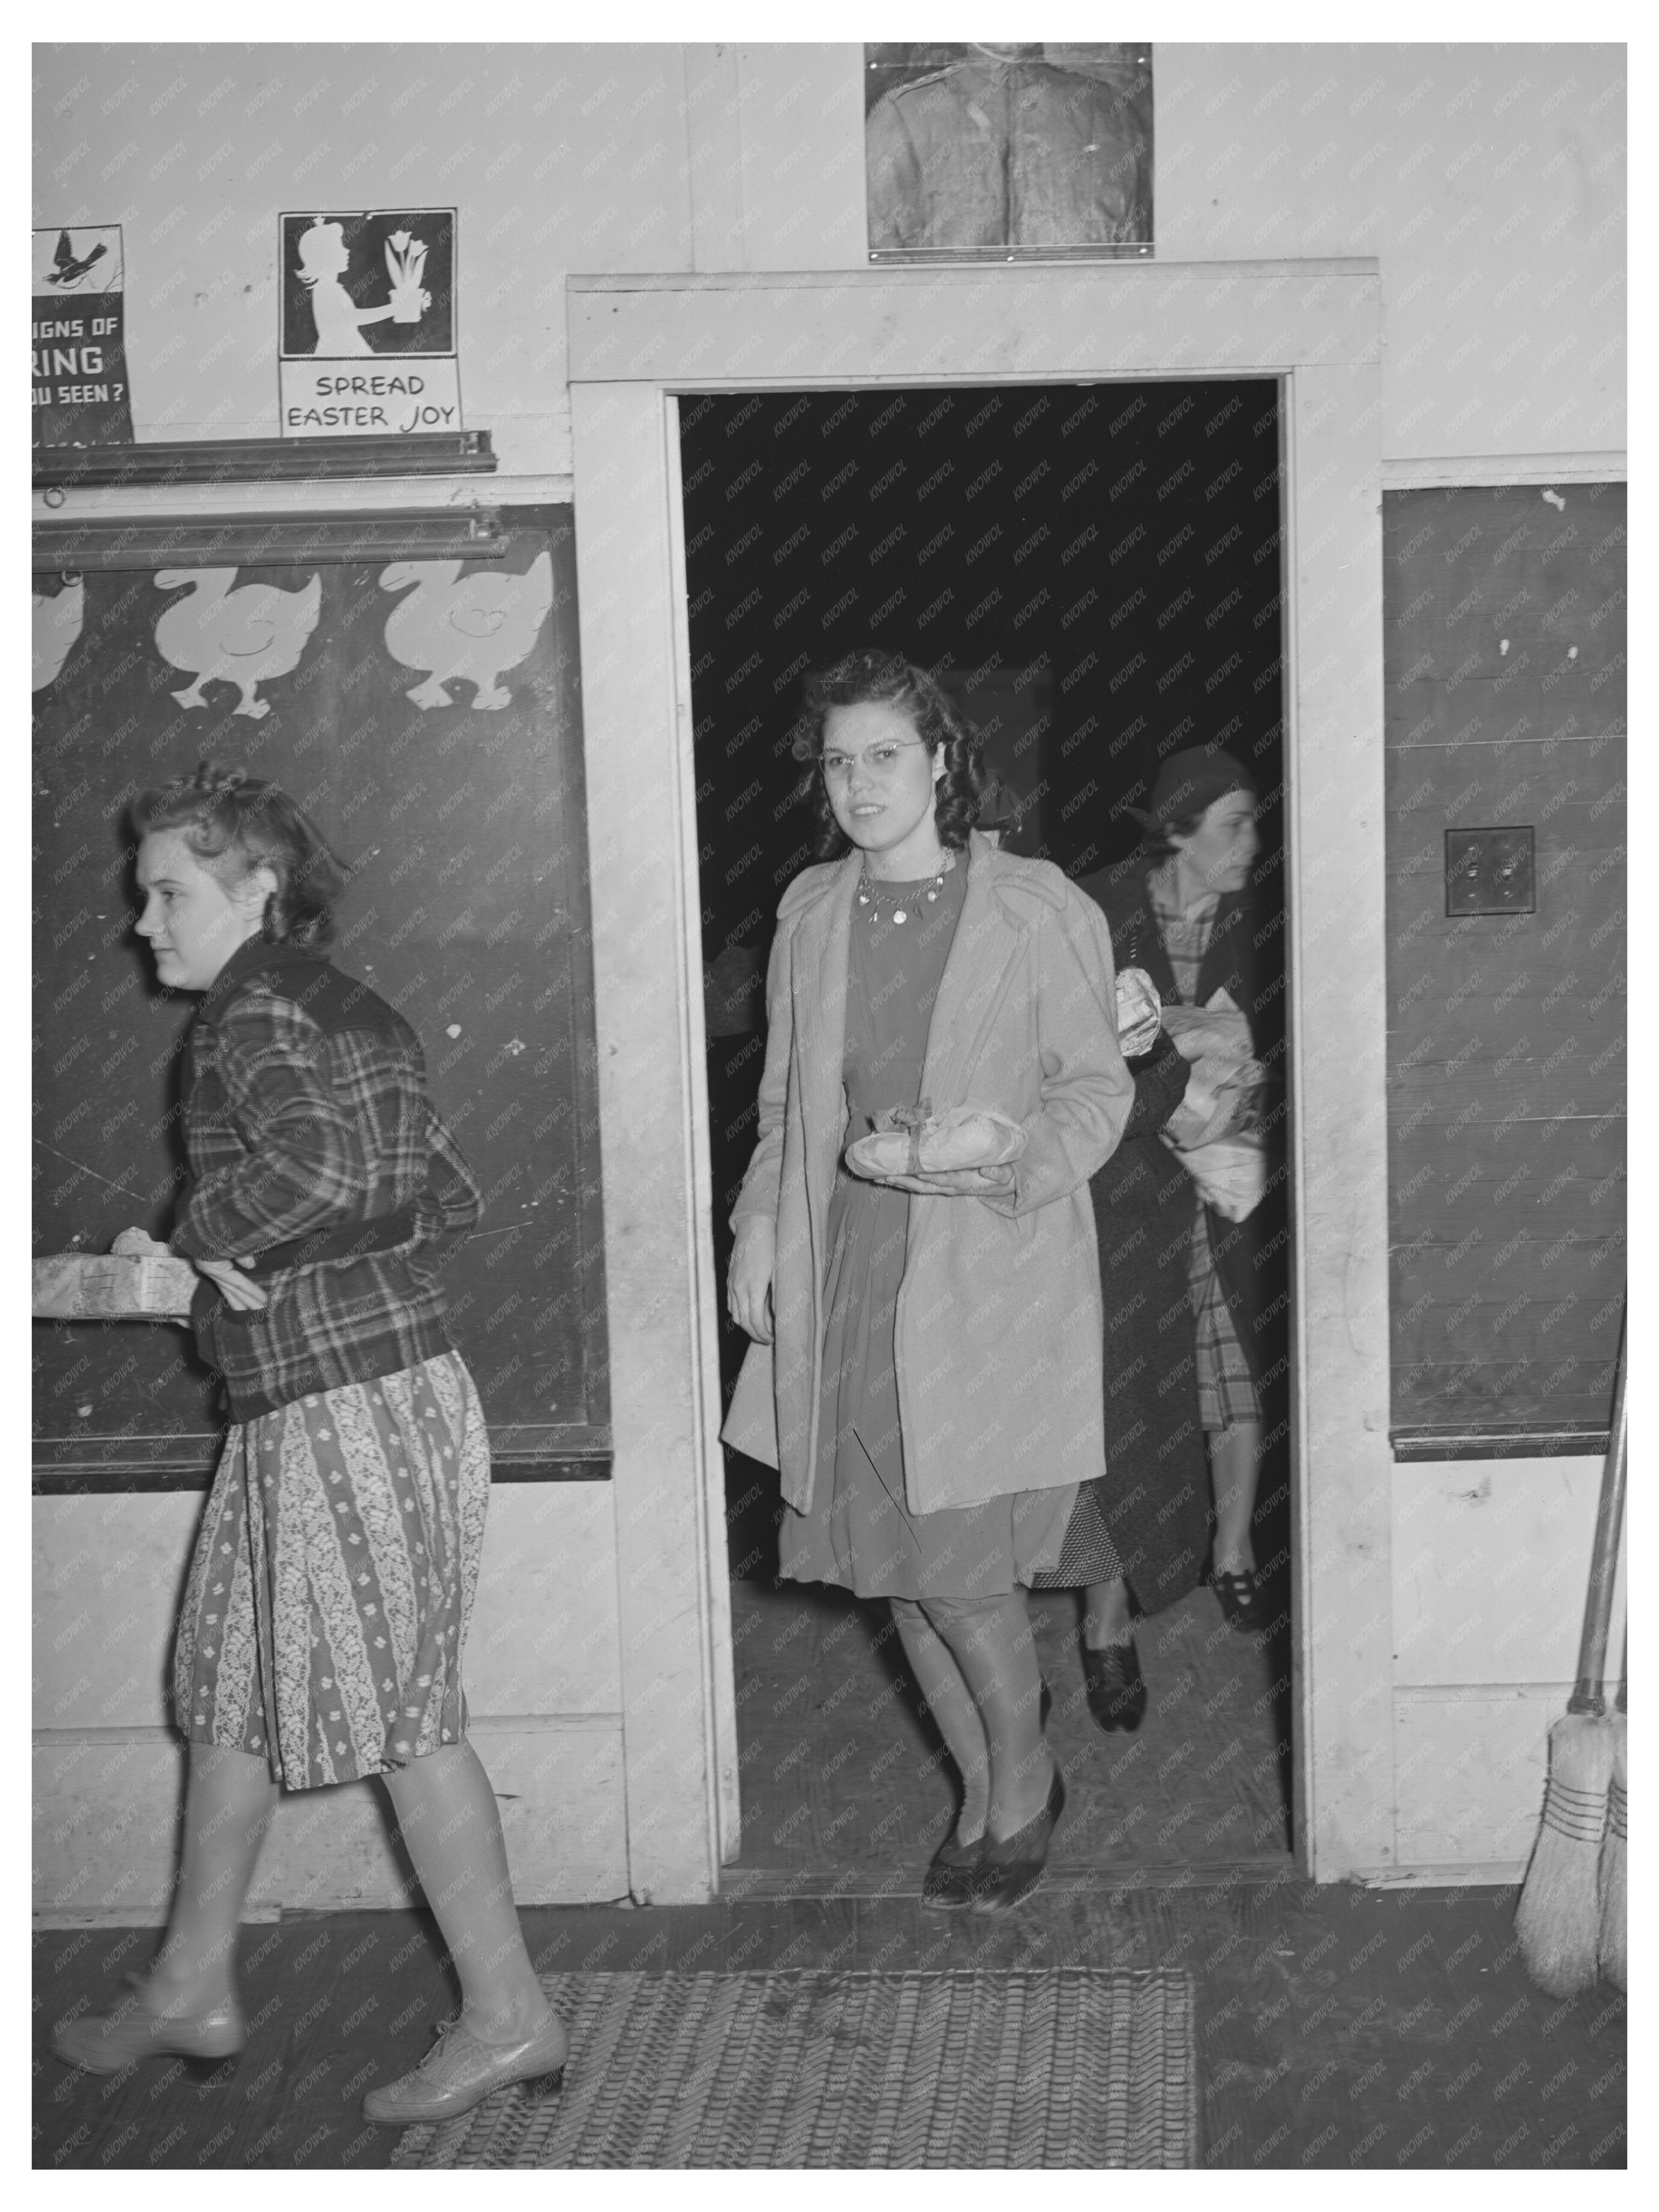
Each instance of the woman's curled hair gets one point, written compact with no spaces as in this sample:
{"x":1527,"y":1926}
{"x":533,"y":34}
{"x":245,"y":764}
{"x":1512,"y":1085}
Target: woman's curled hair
{"x":234,"y":824}
{"x":871,"y":678}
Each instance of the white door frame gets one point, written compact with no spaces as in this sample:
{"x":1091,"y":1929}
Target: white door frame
{"x":636,"y":341}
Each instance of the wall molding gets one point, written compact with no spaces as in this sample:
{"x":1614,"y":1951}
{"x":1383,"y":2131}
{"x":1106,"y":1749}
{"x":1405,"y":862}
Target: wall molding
{"x":1452,"y":470}
{"x":309,"y":495}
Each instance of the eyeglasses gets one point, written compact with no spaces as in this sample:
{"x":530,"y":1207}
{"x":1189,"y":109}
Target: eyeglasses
{"x":882,"y":758}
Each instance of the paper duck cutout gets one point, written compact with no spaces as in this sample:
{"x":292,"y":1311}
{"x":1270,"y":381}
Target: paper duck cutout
{"x":58,"y":623}
{"x":244,"y":637}
{"x":474,"y":626}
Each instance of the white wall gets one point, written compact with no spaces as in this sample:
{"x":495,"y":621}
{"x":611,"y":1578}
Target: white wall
{"x":1489,"y":180}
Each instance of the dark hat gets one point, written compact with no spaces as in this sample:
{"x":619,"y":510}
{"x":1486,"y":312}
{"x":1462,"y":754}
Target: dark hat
{"x":1189,"y":781}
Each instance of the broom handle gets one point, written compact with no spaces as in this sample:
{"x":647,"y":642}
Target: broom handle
{"x":1586,"y":1697}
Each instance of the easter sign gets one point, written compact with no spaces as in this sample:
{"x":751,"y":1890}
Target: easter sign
{"x":367,"y":343}
{"x":79,"y":388}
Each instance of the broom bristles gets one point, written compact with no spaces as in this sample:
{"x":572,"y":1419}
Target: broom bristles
{"x":1558,"y":1923}
{"x":1614,"y":1849}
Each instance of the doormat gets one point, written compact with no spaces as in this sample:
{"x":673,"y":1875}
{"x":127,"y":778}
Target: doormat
{"x":1009,"y":2067}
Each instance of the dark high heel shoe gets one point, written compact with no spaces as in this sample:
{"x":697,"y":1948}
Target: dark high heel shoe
{"x":948,"y":1883}
{"x":1117,"y":1692}
{"x":1010,"y":1870}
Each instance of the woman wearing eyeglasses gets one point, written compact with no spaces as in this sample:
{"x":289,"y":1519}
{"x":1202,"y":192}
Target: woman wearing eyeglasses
{"x":935,"y":1333}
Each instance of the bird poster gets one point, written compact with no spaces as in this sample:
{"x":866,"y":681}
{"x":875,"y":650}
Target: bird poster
{"x":366,"y":343}
{"x":80,"y":390}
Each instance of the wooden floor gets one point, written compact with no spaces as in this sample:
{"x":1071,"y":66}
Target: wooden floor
{"x":1338,"y":2027}
{"x":844,"y":1790}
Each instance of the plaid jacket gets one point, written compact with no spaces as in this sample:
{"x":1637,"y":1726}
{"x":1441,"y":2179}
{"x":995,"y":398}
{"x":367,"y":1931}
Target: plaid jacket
{"x":313,"y":1147}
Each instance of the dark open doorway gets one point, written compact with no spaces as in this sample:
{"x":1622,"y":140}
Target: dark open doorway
{"x":1094,"y":573}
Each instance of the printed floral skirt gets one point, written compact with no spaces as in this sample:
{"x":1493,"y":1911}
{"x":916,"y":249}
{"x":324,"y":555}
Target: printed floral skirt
{"x":333,"y":1578}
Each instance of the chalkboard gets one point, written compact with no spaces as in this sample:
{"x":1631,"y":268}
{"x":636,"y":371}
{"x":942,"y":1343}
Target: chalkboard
{"x":428,"y":714}
{"x":1504,"y":656}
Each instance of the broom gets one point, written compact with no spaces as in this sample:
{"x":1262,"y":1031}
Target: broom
{"x":1615,"y":1962}
{"x":1558,"y":1923}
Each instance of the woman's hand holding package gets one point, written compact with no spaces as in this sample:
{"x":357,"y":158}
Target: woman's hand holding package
{"x":966,"y":1151}
{"x":952,"y":1183}
{"x":1219,"y":1029}
{"x":749,"y":1279}
{"x":240,"y":1291}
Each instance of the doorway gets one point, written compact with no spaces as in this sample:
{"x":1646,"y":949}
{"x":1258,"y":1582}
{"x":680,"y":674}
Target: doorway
{"x":1092,"y":571}
{"x":640,"y":345}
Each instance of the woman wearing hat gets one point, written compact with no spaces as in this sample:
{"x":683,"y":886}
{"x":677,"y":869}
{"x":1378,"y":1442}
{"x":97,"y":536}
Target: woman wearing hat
{"x":1188,"y":921}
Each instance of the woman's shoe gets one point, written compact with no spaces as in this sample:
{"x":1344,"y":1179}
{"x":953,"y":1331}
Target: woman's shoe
{"x":1011,"y":1869}
{"x":948,"y":1883}
{"x":108,"y":2042}
{"x":1117,"y":1693}
{"x":459,"y":2072}
{"x":1240,"y":1598}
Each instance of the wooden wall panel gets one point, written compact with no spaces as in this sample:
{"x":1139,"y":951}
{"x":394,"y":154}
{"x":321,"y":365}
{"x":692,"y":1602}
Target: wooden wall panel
{"x":107,"y":1817}
{"x":1471,"y":1769}
{"x":1490,"y":1565}
{"x":543,"y":1695}
{"x":1506,"y":658}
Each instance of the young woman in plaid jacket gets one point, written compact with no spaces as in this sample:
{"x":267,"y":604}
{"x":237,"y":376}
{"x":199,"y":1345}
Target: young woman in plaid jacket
{"x":326,"y":1607}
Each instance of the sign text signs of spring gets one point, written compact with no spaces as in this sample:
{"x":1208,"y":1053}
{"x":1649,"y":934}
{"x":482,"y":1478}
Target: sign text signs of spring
{"x":368,"y":341}
{"x":79,"y":387}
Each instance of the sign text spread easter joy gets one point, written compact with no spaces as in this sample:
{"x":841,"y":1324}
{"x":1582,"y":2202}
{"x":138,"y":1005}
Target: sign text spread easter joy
{"x":368,"y":339}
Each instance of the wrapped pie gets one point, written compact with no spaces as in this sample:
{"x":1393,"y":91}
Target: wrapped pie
{"x":915,"y":1141}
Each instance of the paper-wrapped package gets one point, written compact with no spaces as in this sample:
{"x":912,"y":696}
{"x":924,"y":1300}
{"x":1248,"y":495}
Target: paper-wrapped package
{"x":112,"y":1286}
{"x":1218,"y":1031}
{"x":1139,"y":1016}
{"x":1210,"y":1131}
{"x":913,"y":1140}
{"x":1231,"y":1175}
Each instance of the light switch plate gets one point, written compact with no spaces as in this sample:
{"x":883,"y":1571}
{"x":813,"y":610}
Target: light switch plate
{"x":1491,"y":872}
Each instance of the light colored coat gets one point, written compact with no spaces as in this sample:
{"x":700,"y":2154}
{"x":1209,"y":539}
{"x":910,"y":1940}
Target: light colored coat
{"x":998,"y":1330}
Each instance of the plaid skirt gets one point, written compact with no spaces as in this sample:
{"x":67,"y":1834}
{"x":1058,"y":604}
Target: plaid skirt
{"x":333,"y":1578}
{"x":1226,"y":1391}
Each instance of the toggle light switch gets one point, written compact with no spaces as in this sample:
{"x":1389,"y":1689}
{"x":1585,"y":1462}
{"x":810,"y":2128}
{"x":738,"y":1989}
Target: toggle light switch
{"x":1489,"y":871}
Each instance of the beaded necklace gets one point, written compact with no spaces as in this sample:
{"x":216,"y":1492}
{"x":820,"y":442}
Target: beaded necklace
{"x":872,"y":895}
